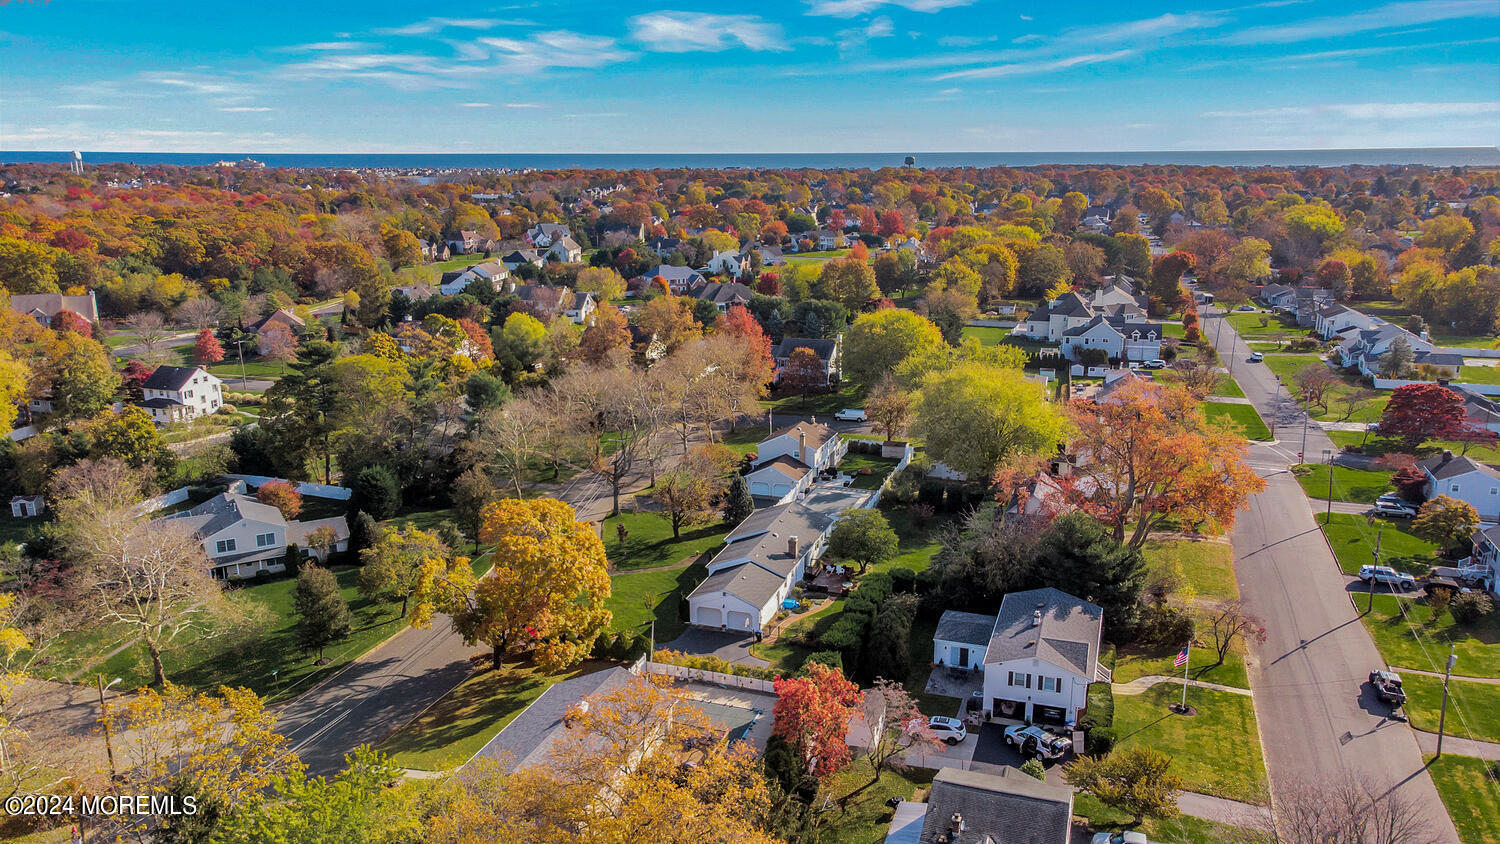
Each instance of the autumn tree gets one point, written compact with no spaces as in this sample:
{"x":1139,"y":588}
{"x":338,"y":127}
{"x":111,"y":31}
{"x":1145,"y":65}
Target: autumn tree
{"x":670,"y":320}
{"x":888,"y":407}
{"x":471,"y":491}
{"x":207,"y":350}
{"x":1445,"y":521}
{"x":356,"y":806}
{"x":277,"y":343}
{"x":1166,"y":278}
{"x":605,"y":337}
{"x":848,"y":280}
{"x":79,"y":374}
{"x":863,"y":535}
{"x":282,"y":495}
{"x":804,"y":371}
{"x":636,"y":763}
{"x":690,"y":492}
{"x":812,"y":714}
{"x":976,"y":416}
{"x":878,"y":342}
{"x":897,"y":727}
{"x":895,"y":271}
{"x":1313,"y":382}
{"x":391,"y":567}
{"x":1148,"y":455}
{"x":1138,"y":781}
{"x":401,"y":247}
{"x":1420,"y":412}
{"x":1224,"y":623}
{"x":322,"y":613}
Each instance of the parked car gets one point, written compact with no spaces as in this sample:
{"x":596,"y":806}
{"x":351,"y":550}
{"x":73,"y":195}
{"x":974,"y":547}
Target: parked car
{"x":1035,"y":741}
{"x":1387,"y":576}
{"x":950,"y":730}
{"x":1257,"y":357}
{"x":1119,"y":838}
{"x":850,"y":414}
{"x":1156,"y":364}
{"x":1245,"y":309}
{"x":1388,"y":686}
{"x":1394,"y":505}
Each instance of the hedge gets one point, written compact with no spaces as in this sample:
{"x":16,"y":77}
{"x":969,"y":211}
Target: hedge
{"x":713,"y":663}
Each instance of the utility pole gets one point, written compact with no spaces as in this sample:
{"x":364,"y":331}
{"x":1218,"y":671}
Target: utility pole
{"x":244,"y":382}
{"x":1275,"y":406}
{"x":1379,"y":531}
{"x":109,"y":745}
{"x":1443,"y":715}
{"x":1306,"y":415}
{"x":1328,"y":458}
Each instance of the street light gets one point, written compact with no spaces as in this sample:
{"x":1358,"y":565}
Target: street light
{"x":109,"y":746}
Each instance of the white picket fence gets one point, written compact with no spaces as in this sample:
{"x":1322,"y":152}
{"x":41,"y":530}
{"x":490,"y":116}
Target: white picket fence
{"x":702,"y":675}
{"x":166,"y":499}
{"x":315,"y":490}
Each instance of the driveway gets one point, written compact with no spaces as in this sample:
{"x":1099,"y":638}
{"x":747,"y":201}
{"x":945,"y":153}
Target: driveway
{"x":730,"y":647}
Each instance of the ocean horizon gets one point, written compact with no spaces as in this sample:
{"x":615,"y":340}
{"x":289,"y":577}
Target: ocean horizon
{"x":1424,"y":156}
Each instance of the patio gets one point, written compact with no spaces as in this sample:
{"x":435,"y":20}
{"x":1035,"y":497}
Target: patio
{"x":955,"y":682}
{"x":835,"y":580}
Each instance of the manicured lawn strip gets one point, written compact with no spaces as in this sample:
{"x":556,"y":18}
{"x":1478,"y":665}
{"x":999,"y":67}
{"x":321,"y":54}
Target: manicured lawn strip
{"x":1463,"y":341}
{"x":1244,"y":416}
{"x":1353,"y":540}
{"x":1349,"y":484}
{"x":849,"y":395}
{"x":256,"y":370}
{"x":1375,"y":445}
{"x":798,"y":638}
{"x":1228,"y":387}
{"x":1473,"y":708}
{"x":746,"y":437}
{"x":987,"y":335}
{"x":1478,"y":374}
{"x":1132,"y":662}
{"x":649,"y":541}
{"x":209,"y":663}
{"x":1369,"y":410}
{"x":663,"y":588}
{"x":1286,"y":365}
{"x":1248,"y":326}
{"x":1183,"y":829}
{"x":1173,"y":329}
{"x":1217,"y":750}
{"x":1467,"y":786}
{"x":1410,"y":642}
{"x":464,"y":720}
{"x":1208,"y":567}
{"x":879,"y":468}
{"x":918,"y":543}
{"x":868,"y":818}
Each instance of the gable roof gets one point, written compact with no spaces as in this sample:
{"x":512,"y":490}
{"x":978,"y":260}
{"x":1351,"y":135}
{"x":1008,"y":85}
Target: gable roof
{"x":817,"y":433}
{"x":280,"y":316}
{"x":227,"y":509}
{"x":1007,"y":807}
{"x":786,"y":465}
{"x":721,"y":293}
{"x":671,"y":273}
{"x":1069,"y":304}
{"x":172,"y":378}
{"x":48,"y":304}
{"x":768,"y":549}
{"x":1450,"y":465}
{"x":824,"y":349}
{"x":967,"y":627}
{"x":747,"y":581}
{"x":1067,"y":636}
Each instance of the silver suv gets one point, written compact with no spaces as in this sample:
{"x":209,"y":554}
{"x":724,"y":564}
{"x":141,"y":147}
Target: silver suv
{"x":1387,"y":576}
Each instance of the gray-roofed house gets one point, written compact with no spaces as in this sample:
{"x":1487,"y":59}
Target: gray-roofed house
{"x":679,"y":279}
{"x":1334,"y":319}
{"x":763,"y":558}
{"x":243,"y":537}
{"x":812,"y":444}
{"x":181,"y":393}
{"x":1117,"y":337}
{"x":826,"y":350}
{"x":1038,"y":657}
{"x":44,"y":307}
{"x":723,"y":295}
{"x":1459,"y":477}
{"x":980,"y":807}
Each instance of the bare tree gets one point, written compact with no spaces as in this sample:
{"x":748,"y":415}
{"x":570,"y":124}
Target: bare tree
{"x":1313,"y":382}
{"x":150,"y":330}
{"x":1348,"y":811}
{"x":278,"y":343}
{"x":199,"y":313}
{"x":1354,"y":400}
{"x":1227,"y":622}
{"x":511,"y":435}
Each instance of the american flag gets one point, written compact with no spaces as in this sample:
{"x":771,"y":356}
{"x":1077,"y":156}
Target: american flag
{"x":1181,"y":659}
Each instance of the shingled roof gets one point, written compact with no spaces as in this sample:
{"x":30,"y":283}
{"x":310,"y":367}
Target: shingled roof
{"x":1067,"y":634}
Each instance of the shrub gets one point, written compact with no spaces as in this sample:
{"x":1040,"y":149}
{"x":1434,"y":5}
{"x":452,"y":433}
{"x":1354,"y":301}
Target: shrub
{"x":1100,"y":741}
{"x":1469,"y":607}
{"x":832,"y":659}
{"x":1033,"y":768}
{"x":1162,"y":626}
{"x":1100,"y":710}
{"x":377,"y":492}
{"x":713,"y":663}
{"x":904,"y":580}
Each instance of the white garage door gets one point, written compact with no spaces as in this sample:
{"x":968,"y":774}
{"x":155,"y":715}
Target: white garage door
{"x":709,"y":616}
{"x":739,"y":620}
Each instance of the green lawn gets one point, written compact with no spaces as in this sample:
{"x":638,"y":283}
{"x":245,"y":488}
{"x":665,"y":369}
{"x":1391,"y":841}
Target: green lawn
{"x":1217,"y":750}
{"x":987,"y":335}
{"x":208,"y":663}
{"x":1376,"y":445}
{"x":920,"y":645}
{"x":1349,"y":484}
{"x":1286,"y":365}
{"x":1173,"y":329}
{"x":1249,"y":328}
{"x":868,"y":818}
{"x":1368,"y":410}
{"x":918,"y":543}
{"x":1244,"y":416}
{"x":1473,"y":708}
{"x":663,"y":589}
{"x":1132,"y":662}
{"x":798,"y":638}
{"x":255,"y":369}
{"x":457,"y":726}
{"x":649,"y":541}
{"x":13,"y":530}
{"x":746,"y":438}
{"x":1207,"y":567}
{"x":1229,"y":388}
{"x":1479,"y":374}
{"x":869,"y":470}
{"x":1467,"y":786}
{"x":1410,"y":641}
{"x":848,"y":395}
{"x":1183,"y":829}
{"x":1353,"y":539}
{"x":1463,"y":341}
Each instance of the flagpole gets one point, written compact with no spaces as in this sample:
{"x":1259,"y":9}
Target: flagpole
{"x":1185,"y":664}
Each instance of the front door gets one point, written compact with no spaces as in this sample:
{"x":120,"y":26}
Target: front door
{"x":963,"y":657}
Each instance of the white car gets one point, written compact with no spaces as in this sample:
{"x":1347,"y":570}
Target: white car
{"x":1395,"y":505}
{"x":850,"y":414}
{"x":1035,"y":741}
{"x":1156,"y":364}
{"x":1387,"y":576}
{"x":1257,"y":357}
{"x":950,"y":730}
{"x":1245,"y":309}
{"x":1119,"y":838}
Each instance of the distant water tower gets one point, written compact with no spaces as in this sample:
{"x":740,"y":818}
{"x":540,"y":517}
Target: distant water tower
{"x":75,"y":164}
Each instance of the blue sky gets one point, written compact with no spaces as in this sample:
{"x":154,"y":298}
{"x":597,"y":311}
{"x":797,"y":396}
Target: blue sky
{"x":776,"y":76}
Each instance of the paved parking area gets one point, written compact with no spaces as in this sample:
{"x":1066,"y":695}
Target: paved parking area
{"x":732,"y":647}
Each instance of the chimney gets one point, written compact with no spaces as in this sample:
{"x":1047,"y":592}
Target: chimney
{"x":1036,"y":618}
{"x":793,"y":547}
{"x":956,"y":825}
{"x":1447,"y":456}
{"x":801,"y":444}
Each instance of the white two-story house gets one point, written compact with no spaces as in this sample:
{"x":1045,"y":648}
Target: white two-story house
{"x":787,"y":462}
{"x":1119,"y":339}
{"x":1038,"y":656}
{"x":1459,"y":477}
{"x":181,"y":394}
{"x":243,"y":537}
{"x":1334,"y":319}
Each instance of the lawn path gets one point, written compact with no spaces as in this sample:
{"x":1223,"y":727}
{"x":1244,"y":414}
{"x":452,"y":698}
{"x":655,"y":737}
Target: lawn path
{"x":1141,"y":684}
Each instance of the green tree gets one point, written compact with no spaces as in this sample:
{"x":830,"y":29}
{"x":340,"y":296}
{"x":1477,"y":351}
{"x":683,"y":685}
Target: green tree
{"x":847,"y":280}
{"x":1138,"y":781}
{"x":1135,"y":253}
{"x":131,"y":436}
{"x":738,"y":505}
{"x":471,"y":491}
{"x":887,"y":653}
{"x":864,"y":536}
{"x":976,"y":416}
{"x":322,"y":613}
{"x":896,"y":271}
{"x":391,"y":565}
{"x":27,"y":267}
{"x":299,"y":413}
{"x":356,"y":807}
{"x":1445,"y":521}
{"x":880,"y":341}
{"x":1078,"y":556}
{"x":82,"y":380}
{"x":377,"y":492}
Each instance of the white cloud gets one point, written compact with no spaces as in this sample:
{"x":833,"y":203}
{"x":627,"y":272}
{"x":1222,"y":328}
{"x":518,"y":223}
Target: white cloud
{"x":326,"y":46}
{"x":1023,"y":68}
{"x":686,"y":32}
{"x":558,"y":49}
{"x":431,"y":25}
{"x":1373,"y":112}
{"x":850,"y":40}
{"x":473,"y":105}
{"x":84,"y":106}
{"x":242,"y":109}
{"x":523,"y":105}
{"x":966,"y":40}
{"x":854,"y":8}
{"x":1389,"y":16}
{"x":1160,"y":26}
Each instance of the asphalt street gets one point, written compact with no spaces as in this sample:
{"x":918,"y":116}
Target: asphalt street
{"x":1319,"y":719}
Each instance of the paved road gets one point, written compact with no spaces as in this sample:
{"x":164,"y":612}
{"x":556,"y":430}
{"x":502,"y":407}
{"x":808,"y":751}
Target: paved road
{"x":1319,"y":720}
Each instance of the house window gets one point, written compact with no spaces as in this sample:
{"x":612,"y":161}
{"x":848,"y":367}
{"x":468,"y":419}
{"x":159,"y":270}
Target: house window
{"x":1049,"y":684}
{"x":1019,"y":679}
{"x":264,"y":540}
{"x":1453,"y":488}
{"x":225,"y":546}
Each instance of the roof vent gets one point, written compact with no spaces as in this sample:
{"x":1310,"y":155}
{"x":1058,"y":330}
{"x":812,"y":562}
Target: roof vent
{"x":1036,"y":618}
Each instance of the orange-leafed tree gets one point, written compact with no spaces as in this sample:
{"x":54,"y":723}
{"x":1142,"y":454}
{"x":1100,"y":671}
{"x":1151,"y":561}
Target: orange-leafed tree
{"x":207,"y":348}
{"x":670,"y":318}
{"x":283,"y":496}
{"x":812,"y":714}
{"x":605,"y":336}
{"x":743,"y":326}
{"x":1148,"y":454}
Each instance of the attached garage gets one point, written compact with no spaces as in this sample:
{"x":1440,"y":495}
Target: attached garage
{"x":738,"y":598}
{"x":739,"y":621}
{"x":708,"y":616}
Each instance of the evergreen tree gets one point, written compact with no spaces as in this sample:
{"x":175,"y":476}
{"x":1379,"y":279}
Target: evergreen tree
{"x":376,"y":492}
{"x":322,"y":613}
{"x":1078,"y":556}
{"x":738,"y":505}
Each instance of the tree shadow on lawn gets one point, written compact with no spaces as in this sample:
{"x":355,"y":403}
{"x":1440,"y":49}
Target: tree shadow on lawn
{"x":640,"y":554}
{"x":668,"y":611}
